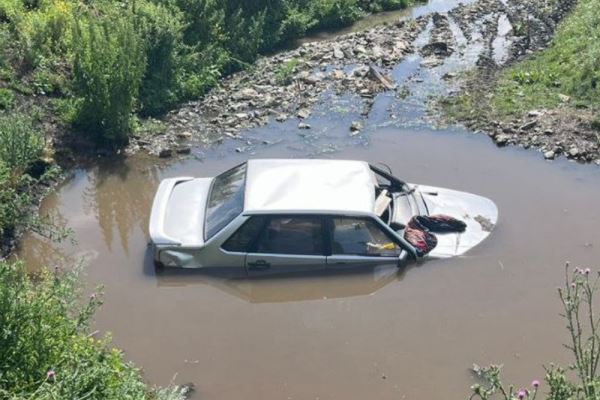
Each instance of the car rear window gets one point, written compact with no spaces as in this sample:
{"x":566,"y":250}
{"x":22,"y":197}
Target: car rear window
{"x":226,"y":200}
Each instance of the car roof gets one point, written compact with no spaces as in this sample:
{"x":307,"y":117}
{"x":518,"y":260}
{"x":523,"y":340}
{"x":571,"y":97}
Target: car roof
{"x":309,"y":185}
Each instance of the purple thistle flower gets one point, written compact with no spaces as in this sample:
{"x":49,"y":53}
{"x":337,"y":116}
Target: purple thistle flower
{"x":535,"y":384}
{"x":51,"y":374}
{"x":522,"y":394}
{"x":587,"y":271}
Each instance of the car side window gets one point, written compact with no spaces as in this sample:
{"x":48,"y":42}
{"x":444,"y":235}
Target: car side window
{"x":241,"y":240}
{"x":361,"y":236}
{"x":292,"y":235}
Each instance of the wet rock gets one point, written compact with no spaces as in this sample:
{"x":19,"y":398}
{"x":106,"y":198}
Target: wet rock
{"x":184,"y":150}
{"x":338,"y":74}
{"x":549,"y":155}
{"x":184,"y":135}
{"x":303,"y":113}
{"x":281,"y":117}
{"x":528,"y":125}
{"x":356,"y":126}
{"x":573,"y":152}
{"x":502,"y":139}
{"x":165,"y":153}
{"x":439,"y":49}
{"x":548,"y":132}
{"x":303,"y":125}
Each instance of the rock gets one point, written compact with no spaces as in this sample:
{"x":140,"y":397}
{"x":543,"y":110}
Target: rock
{"x":184,"y":135}
{"x":528,"y":125}
{"x":303,"y":125}
{"x":376,"y":52}
{"x":338,"y":53}
{"x":281,"y":117}
{"x":165,"y":153}
{"x":502,"y":139}
{"x":184,"y":150}
{"x":303,"y":113}
{"x":574,"y":151}
{"x":360,"y":49}
{"x":241,"y":115}
{"x":549,"y":155}
{"x":535,"y":113}
{"x":548,"y":132}
{"x":338,"y":74}
{"x":439,"y":49}
{"x":449,"y":75}
{"x":246,"y":94}
{"x":313,"y":79}
{"x":356,"y":126}
{"x":564,"y":98}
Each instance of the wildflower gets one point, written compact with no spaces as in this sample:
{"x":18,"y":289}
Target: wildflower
{"x":51,"y":374}
{"x":522,"y":394}
{"x":93,"y":296}
{"x":573,"y":285}
{"x":587,"y":271}
{"x":535,"y":384}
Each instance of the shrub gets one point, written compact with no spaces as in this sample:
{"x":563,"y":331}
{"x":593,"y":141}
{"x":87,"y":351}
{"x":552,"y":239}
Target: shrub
{"x":20,"y":142}
{"x":284,"y":74}
{"x":6,"y":98}
{"x":108,"y":68}
{"x":162,"y":30}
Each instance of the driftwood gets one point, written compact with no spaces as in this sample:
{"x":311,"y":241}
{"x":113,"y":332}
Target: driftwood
{"x":387,"y":82}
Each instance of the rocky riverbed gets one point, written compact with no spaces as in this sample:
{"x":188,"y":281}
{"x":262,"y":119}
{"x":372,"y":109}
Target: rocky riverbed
{"x":483,"y":34}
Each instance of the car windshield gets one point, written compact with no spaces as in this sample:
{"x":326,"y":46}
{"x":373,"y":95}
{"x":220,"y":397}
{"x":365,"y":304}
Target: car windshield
{"x":226,"y":200}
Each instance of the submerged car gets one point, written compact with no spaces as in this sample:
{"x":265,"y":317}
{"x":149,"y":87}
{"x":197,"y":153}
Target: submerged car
{"x":292,"y":214}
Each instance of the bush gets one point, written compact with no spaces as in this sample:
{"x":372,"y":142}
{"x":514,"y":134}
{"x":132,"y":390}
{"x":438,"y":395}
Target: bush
{"x":13,"y":204}
{"x":108,"y":67}
{"x":20,"y":142}
{"x":162,"y":30}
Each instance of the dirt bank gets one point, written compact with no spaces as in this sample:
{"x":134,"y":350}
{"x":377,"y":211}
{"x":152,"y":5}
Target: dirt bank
{"x":566,"y":129}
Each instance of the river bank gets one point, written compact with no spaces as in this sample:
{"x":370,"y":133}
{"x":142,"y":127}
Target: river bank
{"x":487,"y":34}
{"x":540,"y":98}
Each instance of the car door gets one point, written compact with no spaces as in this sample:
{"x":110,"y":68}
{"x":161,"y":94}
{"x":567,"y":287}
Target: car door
{"x":360,"y":240}
{"x":288,"y":243}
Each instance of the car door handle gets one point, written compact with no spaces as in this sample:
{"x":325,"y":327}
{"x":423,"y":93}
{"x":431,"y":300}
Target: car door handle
{"x":259,"y":265}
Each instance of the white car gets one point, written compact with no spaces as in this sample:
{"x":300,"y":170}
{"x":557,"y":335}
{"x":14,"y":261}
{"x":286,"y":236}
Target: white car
{"x":281,"y":215}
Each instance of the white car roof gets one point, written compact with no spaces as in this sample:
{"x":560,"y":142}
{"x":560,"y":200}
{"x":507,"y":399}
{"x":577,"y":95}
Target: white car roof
{"x":301,"y":185}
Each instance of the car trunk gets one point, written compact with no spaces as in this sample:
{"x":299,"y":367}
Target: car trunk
{"x":178,"y":212}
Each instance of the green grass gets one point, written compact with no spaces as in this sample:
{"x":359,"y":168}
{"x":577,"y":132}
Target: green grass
{"x":569,"y":66}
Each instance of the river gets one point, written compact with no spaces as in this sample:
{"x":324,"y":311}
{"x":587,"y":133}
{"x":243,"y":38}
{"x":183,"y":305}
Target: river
{"x":380,"y":333}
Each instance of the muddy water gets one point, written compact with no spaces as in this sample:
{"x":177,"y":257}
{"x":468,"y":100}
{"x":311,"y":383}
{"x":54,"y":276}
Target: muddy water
{"x":379,"y":333}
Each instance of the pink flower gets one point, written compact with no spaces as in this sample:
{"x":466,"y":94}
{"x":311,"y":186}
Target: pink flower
{"x":50,"y":374}
{"x":522,"y":394}
{"x":573,"y":285}
{"x":587,"y":271}
{"x":535,"y":384}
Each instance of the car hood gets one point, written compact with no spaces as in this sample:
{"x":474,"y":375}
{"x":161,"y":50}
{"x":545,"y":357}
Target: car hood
{"x":479,"y":213}
{"x":178,"y":210}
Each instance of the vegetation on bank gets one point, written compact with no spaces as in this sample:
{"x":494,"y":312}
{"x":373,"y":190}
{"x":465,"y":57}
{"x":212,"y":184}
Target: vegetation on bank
{"x":102,"y":62}
{"x":568,"y":71}
{"x":47,"y":350}
{"x":578,"y":298}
